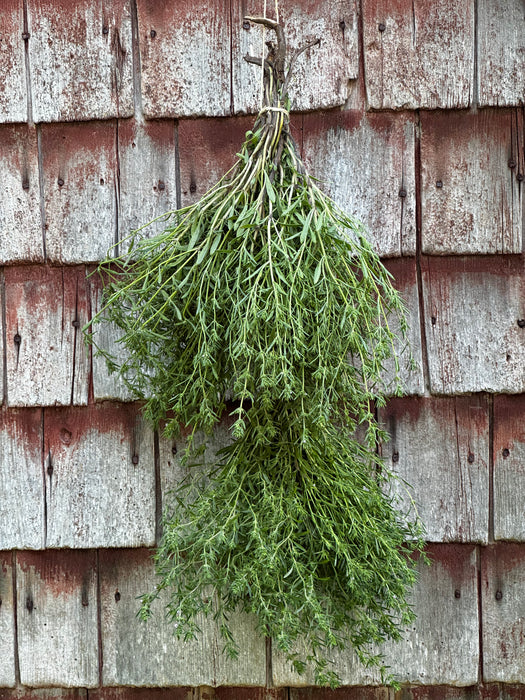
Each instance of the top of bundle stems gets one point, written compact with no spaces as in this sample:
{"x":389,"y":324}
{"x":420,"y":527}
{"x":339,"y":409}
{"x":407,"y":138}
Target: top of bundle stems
{"x":276,"y":75}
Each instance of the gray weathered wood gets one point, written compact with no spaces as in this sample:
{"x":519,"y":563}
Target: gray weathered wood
{"x":185,"y":58}
{"x":408,"y":351}
{"x":322,"y":75}
{"x":419,"y":53}
{"x":471,"y":199}
{"x":106,"y":385}
{"x":100,"y":477}
{"x":472,"y":310}
{"x":207,"y":150}
{"x":356,"y":693}
{"x":22,"y":501}
{"x":501,"y":52}
{"x":80,"y":190}
{"x":440,"y":447}
{"x":148,"y":654}
{"x":7,"y":622}
{"x":47,"y":361}
{"x":366,"y":163}
{"x":440,"y":647}
{"x":13,"y":98}
{"x":57,"y":618}
{"x":20,"y":218}
{"x":509,"y":470}
{"x":147,"y":174}
{"x":503,"y":606}
{"x":81,"y":59}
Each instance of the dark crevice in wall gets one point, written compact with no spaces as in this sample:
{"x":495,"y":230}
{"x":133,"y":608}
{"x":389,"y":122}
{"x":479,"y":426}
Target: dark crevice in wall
{"x":178,"y":185}
{"x":15,"y":617}
{"x":99,"y":621}
{"x":158,"y":487}
{"x":361,"y":49}
{"x":491,"y":469}
{"x":47,"y":471}
{"x":135,"y":44}
{"x":232,"y":105}
{"x":4,"y":336}
{"x":480,"y":614}
{"x":41,"y":188}
{"x":418,"y":191}
{"x":269,"y":663}
{"x":76,"y":340}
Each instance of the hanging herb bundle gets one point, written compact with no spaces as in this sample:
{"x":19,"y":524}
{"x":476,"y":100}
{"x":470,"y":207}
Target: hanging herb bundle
{"x":265,"y":302}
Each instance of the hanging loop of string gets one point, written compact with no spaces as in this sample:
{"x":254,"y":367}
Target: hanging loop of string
{"x":261,"y":95}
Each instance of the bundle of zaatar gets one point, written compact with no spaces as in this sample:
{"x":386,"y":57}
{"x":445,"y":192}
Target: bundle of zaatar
{"x":265,"y":302}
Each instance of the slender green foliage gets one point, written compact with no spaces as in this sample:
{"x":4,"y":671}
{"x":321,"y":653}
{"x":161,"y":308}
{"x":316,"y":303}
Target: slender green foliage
{"x":264,"y":301}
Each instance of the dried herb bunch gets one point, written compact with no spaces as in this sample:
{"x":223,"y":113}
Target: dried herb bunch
{"x":265,"y":301}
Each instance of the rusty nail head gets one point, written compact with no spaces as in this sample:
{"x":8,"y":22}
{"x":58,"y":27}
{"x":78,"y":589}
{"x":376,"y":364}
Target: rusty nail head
{"x":521,"y":322}
{"x":0,"y":602}
{"x":60,"y":182}
{"x":161,"y":186}
{"x":499,"y":595}
{"x":174,"y":449}
{"x":342,"y":25}
{"x":193,"y":187}
{"x":457,"y":593}
{"x":512,"y":163}
{"x":25,"y":36}
{"x":470,"y":457}
{"x":505,"y":452}
{"x":29,"y":603}
{"x":519,"y":177}
{"x":381,"y":26}
{"x":439,"y":183}
{"x":50,"y":469}
{"x":105,"y":30}
{"x":402,"y":193}
{"x":117,"y":596}
{"x":246,"y":25}
{"x":433,"y":320}
{"x":153,"y":34}
{"x":17,"y":339}
{"x":25,"y":184}
{"x":395,"y":456}
{"x":76,"y":323}
{"x":135,"y":459}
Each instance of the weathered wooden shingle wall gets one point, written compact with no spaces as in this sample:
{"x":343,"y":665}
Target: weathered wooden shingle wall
{"x":112,"y":112}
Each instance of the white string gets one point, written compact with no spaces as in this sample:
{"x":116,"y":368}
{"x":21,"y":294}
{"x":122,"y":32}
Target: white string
{"x":277,"y":11}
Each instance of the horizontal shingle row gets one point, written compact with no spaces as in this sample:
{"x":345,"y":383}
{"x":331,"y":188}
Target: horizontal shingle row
{"x":76,"y":625}
{"x":74,"y":190}
{"x":87,"y":477}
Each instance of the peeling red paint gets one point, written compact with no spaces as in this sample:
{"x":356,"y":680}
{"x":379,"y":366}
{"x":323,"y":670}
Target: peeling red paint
{"x":60,"y":572}
{"x":457,"y":560}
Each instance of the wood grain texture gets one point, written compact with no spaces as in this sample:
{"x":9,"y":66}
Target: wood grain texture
{"x":106,"y":385}
{"x":7,"y":622}
{"x":419,"y":54}
{"x":47,"y":361}
{"x":57,"y":618}
{"x":81,"y":59}
{"x":440,"y":447}
{"x":44,"y":694}
{"x":441,"y":647}
{"x":147,"y":653}
{"x":473,"y":313}
{"x":207,"y":150}
{"x":20,"y":218}
{"x":100,"y":477}
{"x":185,"y":58}
{"x":501,"y":52}
{"x":509,"y":467}
{"x":366,"y":163}
{"x":472,"y":167}
{"x":323,"y":75}
{"x":22,"y":523}
{"x":503,"y":606}
{"x":359,"y":693}
{"x":147,"y":175}
{"x":410,"y":357}
{"x":80,"y":190}
{"x":13,"y":97}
